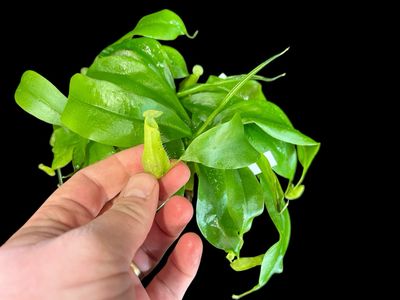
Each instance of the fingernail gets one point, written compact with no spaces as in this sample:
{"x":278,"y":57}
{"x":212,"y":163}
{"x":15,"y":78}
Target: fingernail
{"x":140,"y":185}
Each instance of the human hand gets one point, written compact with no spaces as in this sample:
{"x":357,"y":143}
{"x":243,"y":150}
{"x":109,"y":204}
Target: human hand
{"x":81,"y":241}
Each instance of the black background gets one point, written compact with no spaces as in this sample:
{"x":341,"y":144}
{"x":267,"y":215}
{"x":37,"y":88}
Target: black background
{"x":232,"y":39}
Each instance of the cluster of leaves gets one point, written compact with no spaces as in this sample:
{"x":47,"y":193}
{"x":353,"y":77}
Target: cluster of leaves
{"x":221,"y":128}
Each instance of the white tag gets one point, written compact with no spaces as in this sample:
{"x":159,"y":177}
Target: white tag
{"x":271,"y":159}
{"x":223,"y":76}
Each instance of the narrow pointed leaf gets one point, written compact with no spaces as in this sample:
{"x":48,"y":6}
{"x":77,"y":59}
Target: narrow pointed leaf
{"x":273,"y":196}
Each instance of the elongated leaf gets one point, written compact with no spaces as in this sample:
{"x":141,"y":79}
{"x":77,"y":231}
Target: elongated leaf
{"x":251,"y":90}
{"x":37,"y":96}
{"x":269,"y":118}
{"x":202,"y":99}
{"x":283,"y":153}
{"x":104,"y":112}
{"x":274,"y":202}
{"x":223,"y":147}
{"x":136,"y":77}
{"x":273,"y":196}
{"x":175,"y":62}
{"x":147,"y":51}
{"x":228,"y":201}
{"x":254,"y":110}
{"x":284,"y":133}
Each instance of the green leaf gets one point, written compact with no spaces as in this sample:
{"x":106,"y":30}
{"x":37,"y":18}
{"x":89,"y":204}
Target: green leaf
{"x":136,"y":77}
{"x":64,"y":142}
{"x":103,"y":112}
{"x":294,"y":192}
{"x":161,"y":25}
{"x":223,"y":147}
{"x":252,"y":111}
{"x":175,"y":62}
{"x":251,"y":90}
{"x":37,"y":96}
{"x":307,"y":154}
{"x":174,"y":148}
{"x":270,"y":118}
{"x":154,"y":159}
{"x":283,"y":153}
{"x":227,"y":203}
{"x":79,"y":156}
{"x":96,"y":152}
{"x":285,"y":133}
{"x":234,"y":90}
{"x":148,"y":52}
{"x":273,"y":196}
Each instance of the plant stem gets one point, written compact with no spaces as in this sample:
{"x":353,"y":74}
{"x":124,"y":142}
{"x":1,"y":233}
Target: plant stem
{"x":60,"y":177}
{"x":233,"y":91}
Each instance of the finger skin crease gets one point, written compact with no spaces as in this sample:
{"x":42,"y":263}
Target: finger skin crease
{"x":98,"y":186}
{"x":166,"y":233}
{"x":175,"y":265}
{"x":172,"y":292}
{"x":132,"y":212}
{"x":67,"y":212}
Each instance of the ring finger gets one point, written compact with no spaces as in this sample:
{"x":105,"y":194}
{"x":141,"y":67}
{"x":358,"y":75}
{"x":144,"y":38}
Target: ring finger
{"x":167,"y":226}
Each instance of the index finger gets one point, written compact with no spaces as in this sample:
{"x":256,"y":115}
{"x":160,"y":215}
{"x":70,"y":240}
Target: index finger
{"x":80,"y":199}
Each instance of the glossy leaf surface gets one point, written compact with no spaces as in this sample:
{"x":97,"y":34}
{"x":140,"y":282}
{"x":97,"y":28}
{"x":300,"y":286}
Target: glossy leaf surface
{"x":39,"y":97}
{"x":228,"y":201}
{"x":103,"y":112}
{"x":222,"y":147}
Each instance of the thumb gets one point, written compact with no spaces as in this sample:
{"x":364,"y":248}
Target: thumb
{"x":124,"y":227}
